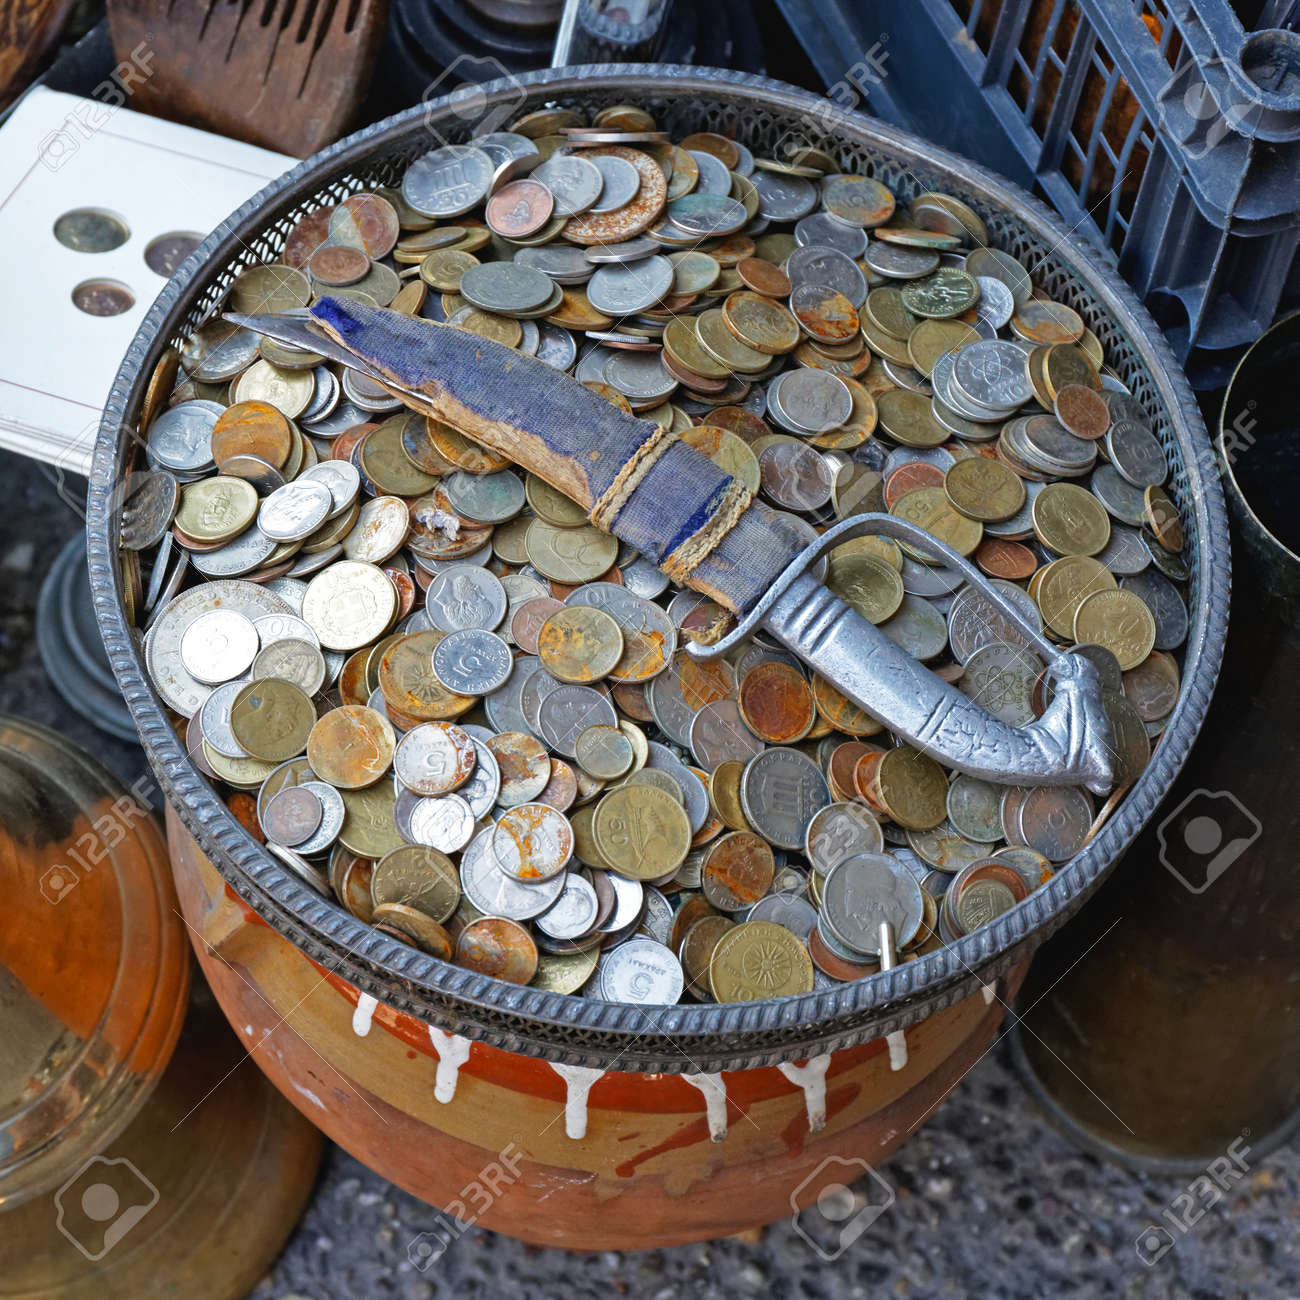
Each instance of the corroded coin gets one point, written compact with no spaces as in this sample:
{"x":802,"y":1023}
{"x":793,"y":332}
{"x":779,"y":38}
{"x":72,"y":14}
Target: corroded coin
{"x":604,"y":752}
{"x":409,"y":925}
{"x":351,"y":747}
{"x":580,"y":644}
{"x":435,"y":758}
{"x":737,"y":871}
{"x":776,"y":703}
{"x":532,"y":841}
{"x":497,"y":946}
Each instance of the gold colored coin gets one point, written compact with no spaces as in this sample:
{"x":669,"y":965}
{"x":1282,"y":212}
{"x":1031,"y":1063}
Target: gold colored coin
{"x":463,"y":452}
{"x":1119,"y":620}
{"x":604,"y":752}
{"x":1063,"y":365}
{"x":246,"y":773}
{"x":1163,"y":519}
{"x":683,"y":346}
{"x":728,"y":451}
{"x":761,"y":323}
{"x":387,"y":463}
{"x":930,"y":508}
{"x":932,"y":338}
{"x":757,"y":960}
{"x":841,"y":712}
{"x":349,"y":605}
{"x":289,"y":391}
{"x":418,"y":876}
{"x":410,"y":685}
{"x":580,"y":644}
{"x":913,"y":788}
{"x":868,"y":582}
{"x":272,"y":719}
{"x":564,"y":973}
{"x":216,"y":509}
{"x":984,"y":489}
{"x":369,"y":829}
{"x":724,"y":794}
{"x":1040,"y":321}
{"x":351,"y":747}
{"x":1069,"y":520}
{"x":505,"y":330}
{"x":570,"y":555}
{"x":575,"y":312}
{"x":885,"y":311}
{"x":443,"y":268}
{"x":409,"y":925}
{"x":907,"y":418}
{"x":725,"y":348}
{"x":643,"y":833}
{"x":1062,"y":586}
{"x":252,"y":429}
{"x":550,"y":504}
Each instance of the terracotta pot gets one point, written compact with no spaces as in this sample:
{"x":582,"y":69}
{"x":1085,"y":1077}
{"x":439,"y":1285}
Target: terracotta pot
{"x":567,"y":1156}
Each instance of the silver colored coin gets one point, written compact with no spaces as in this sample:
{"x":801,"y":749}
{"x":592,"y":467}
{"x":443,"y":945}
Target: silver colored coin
{"x":427,"y":759}
{"x":564,"y":263}
{"x":1122,"y":500}
{"x":705,"y":215}
{"x":1032,"y":867}
{"x":781,"y":198}
{"x":899,"y":262}
{"x":218,"y":646}
{"x":505,"y":146}
{"x":245,"y":554}
{"x":795,"y":476}
{"x":974,"y":809}
{"x":305,"y":872}
{"x":181,"y":436}
{"x":472,"y":662}
{"x":342,"y":479}
{"x":992,"y":374}
{"x":556,"y":346}
{"x":838,"y":831}
{"x":814,"y":400}
{"x":1167,"y":607}
{"x":534,"y":692}
{"x":1054,"y":820}
{"x":717,"y":733}
{"x":344,"y":416}
{"x":639,"y":376}
{"x":486,"y":498}
{"x":866,"y":891}
{"x":1125,"y":554}
{"x":298,"y":661}
{"x":918,"y":627}
{"x":575,"y":182}
{"x":283,"y":627}
{"x":644,"y":578}
{"x":1000,"y":678}
{"x":993,"y":262}
{"x":630,"y":250}
{"x":925,"y":580}
{"x":830,"y":232}
{"x":795,"y":913}
{"x":333,"y":812}
{"x":489,"y":889}
{"x":658,"y":918}
{"x":506,"y":287}
{"x":449,"y":181}
{"x":567,"y":712}
{"x":714,"y":178}
{"x":503,"y":708}
{"x":575,"y":911}
{"x":620,"y":183}
{"x":996,"y":304}
{"x":816,"y":264}
{"x":484,"y":785}
{"x":464,"y":596}
{"x":695,"y":798}
{"x":214,"y":719}
{"x":629,"y":901}
{"x":325,"y":396}
{"x":624,"y":288}
{"x":445,"y":823}
{"x":780,"y":791}
{"x":1136,"y":453}
{"x":643,"y":972}
{"x":295,"y":511}
{"x":150,"y":504}
{"x":532,"y":842}
{"x":974,"y":622}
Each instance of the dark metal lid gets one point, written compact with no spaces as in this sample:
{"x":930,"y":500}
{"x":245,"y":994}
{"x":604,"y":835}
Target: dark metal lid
{"x":706,"y":1037}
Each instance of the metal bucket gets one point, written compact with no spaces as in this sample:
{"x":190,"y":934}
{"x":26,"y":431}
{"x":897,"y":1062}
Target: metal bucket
{"x":610,"y":1107}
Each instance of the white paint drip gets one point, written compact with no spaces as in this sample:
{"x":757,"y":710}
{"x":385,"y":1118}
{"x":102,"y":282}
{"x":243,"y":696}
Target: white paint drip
{"x":990,"y":991}
{"x":453,"y":1052}
{"x":897,"y":1050}
{"x":307,"y":1092}
{"x":577,"y":1082}
{"x":363,"y":1013}
{"x":811,"y":1077}
{"x":715,"y":1102}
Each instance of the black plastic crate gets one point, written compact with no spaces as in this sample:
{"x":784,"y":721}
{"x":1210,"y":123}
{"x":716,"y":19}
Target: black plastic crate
{"x":1167,"y":130}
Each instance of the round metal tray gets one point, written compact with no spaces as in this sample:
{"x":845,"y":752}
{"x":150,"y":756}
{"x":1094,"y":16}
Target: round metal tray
{"x":588,"y":1031}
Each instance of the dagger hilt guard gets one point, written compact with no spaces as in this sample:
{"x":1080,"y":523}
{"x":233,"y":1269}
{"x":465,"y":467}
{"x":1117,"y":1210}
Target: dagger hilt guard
{"x":1071,"y":743}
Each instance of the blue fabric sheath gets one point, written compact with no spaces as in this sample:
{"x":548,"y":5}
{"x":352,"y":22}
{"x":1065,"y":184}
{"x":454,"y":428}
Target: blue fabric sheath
{"x":551,"y":424}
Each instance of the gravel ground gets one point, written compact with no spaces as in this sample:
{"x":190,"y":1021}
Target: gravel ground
{"x":987,"y":1199}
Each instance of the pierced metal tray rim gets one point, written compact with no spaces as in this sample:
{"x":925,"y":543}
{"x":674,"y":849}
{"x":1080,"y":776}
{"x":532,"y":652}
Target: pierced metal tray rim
{"x":588,"y":1031}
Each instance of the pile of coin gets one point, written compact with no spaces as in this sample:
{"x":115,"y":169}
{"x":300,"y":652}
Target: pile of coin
{"x":442,"y":697}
